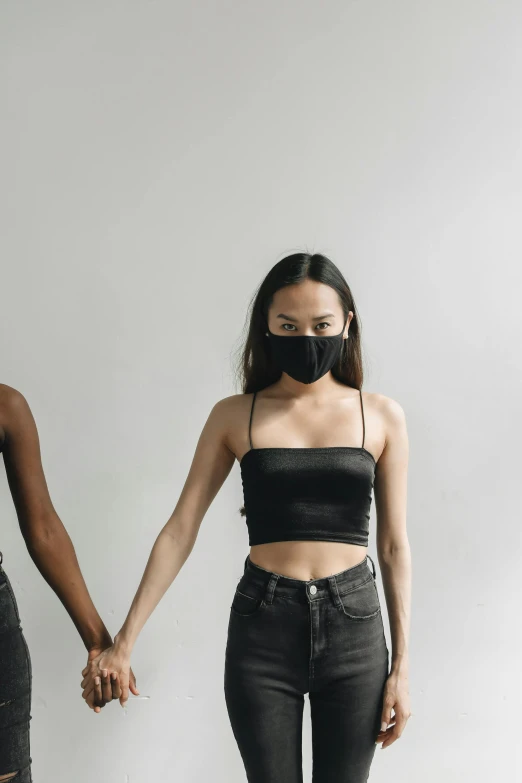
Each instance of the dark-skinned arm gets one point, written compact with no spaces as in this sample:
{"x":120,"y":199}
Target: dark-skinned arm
{"x":47,"y":540}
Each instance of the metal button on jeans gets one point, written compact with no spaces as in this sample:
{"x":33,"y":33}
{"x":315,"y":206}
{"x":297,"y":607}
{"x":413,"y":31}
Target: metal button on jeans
{"x":313,"y":589}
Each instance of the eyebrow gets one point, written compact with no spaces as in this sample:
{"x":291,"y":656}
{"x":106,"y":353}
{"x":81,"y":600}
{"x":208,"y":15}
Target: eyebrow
{"x":317,"y":318}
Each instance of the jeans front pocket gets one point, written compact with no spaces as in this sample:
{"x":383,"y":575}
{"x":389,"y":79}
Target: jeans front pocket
{"x":361,"y":602}
{"x":245,"y":605}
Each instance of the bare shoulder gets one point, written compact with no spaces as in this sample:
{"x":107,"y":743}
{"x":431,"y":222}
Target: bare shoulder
{"x":226,"y":411}
{"x":229,"y":416}
{"x":388,"y":416}
{"x":229,"y":407}
{"x":14,"y":410}
{"x":389,"y":409}
{"x":12,"y":403}
{"x":392,"y":426}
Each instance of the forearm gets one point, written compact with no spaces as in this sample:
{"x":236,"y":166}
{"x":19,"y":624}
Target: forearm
{"x":166,"y":559}
{"x":53,"y":554}
{"x":396,"y":577}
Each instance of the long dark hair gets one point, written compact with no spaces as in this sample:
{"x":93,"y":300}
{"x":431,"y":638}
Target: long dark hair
{"x":255,"y":368}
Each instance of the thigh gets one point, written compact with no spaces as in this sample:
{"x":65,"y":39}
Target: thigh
{"x":15,"y":688}
{"x":265,"y":672}
{"x":346,"y":700}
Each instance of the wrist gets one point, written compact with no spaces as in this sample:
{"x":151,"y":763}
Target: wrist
{"x":122,"y":644}
{"x":400,"y":666}
{"x":99,"y":642}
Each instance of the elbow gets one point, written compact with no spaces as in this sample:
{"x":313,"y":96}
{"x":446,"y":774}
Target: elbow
{"x":183,"y":536}
{"x":44,"y":534}
{"x":392,"y":549}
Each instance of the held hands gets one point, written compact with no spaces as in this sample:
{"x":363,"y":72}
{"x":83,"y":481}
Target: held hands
{"x":107,"y":676}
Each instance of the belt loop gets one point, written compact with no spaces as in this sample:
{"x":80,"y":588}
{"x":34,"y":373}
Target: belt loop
{"x":269,"y":594}
{"x":373,"y":565}
{"x":334,"y":590}
{"x":245,"y":565}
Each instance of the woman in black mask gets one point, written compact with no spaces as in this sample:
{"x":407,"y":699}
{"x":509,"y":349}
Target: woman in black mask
{"x":305,"y":616}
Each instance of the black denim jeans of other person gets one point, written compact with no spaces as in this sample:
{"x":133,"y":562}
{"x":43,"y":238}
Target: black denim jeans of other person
{"x":15,"y":688}
{"x":288,"y":637}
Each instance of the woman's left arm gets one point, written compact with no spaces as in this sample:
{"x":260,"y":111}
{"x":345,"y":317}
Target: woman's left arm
{"x":394,"y":555}
{"x":46,"y":538}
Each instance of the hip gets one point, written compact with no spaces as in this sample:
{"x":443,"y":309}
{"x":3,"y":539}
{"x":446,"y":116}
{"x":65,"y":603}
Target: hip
{"x":15,"y":660}
{"x":326,"y":627}
{"x":15,"y":686}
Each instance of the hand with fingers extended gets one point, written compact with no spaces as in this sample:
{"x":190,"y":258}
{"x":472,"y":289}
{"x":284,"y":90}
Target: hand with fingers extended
{"x":107,"y":676}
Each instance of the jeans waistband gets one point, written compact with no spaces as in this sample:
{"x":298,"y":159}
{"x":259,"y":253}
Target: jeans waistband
{"x":270,"y":583}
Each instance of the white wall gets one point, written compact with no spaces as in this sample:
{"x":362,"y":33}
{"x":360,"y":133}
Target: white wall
{"x":158,"y":158}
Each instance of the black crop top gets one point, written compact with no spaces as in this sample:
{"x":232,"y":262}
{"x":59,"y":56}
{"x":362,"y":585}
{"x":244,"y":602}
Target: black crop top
{"x":307,"y":494}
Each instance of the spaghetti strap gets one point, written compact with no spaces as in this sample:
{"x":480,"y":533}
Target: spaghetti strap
{"x":362,"y":413}
{"x":250,"y":422}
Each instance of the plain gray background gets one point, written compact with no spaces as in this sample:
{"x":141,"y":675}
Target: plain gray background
{"x":158,"y":158}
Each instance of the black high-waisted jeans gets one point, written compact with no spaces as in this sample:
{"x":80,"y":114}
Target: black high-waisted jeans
{"x":288,"y":637}
{"x":15,"y":688}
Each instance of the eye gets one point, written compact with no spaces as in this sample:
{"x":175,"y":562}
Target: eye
{"x":326,"y":325}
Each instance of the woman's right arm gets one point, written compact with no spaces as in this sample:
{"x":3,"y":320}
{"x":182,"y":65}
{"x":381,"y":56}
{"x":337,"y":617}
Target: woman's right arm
{"x":210,"y":467}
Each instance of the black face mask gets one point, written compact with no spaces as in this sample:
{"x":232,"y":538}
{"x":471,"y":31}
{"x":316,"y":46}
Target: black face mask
{"x":306,"y":358}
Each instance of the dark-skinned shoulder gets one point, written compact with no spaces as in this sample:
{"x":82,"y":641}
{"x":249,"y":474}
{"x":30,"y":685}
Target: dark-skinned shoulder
{"x":12,"y":405}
